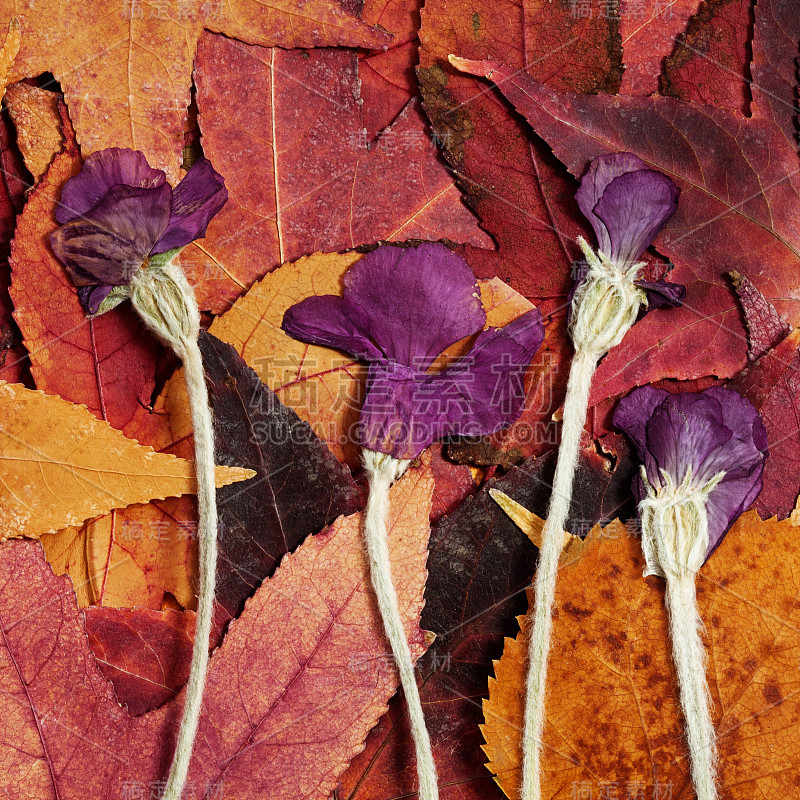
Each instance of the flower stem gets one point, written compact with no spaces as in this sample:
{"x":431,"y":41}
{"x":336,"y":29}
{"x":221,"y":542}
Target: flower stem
{"x":689,"y":656}
{"x":382,"y":470}
{"x":540,"y":623}
{"x":166,"y":302}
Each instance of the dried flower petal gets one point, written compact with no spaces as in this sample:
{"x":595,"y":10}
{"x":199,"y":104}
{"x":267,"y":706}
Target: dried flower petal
{"x":401,"y":308}
{"x":699,"y":435}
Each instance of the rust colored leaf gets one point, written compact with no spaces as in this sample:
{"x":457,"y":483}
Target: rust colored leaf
{"x":648,"y":33}
{"x":107,"y":364}
{"x":765,"y":327}
{"x":59,"y":466}
{"x":313,"y":180}
{"x":772,"y":384}
{"x":126,"y":74}
{"x":744,"y":223}
{"x":38,"y":124}
{"x":146,"y":654}
{"x":613,"y":713}
{"x":453,"y":483}
{"x":710,"y":63}
{"x":300,"y":679}
{"x":776,"y":49}
{"x":387,"y":77}
{"x":480,"y":565}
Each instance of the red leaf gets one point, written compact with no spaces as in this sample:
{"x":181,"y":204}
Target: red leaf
{"x":453,"y":484}
{"x":765,"y":327}
{"x":735,"y":209}
{"x":648,"y":33}
{"x":772,"y":385}
{"x":312,"y":183}
{"x":274,"y":685}
{"x":146,"y":654}
{"x":776,"y":48}
{"x":710,"y":61}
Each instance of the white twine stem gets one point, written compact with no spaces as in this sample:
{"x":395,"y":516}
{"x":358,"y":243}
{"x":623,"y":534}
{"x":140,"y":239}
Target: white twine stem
{"x":689,"y":656}
{"x":540,"y":622}
{"x":166,"y":303}
{"x":382,"y":470}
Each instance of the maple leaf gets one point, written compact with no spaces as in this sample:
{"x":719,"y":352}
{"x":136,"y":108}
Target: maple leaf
{"x":480,"y":565}
{"x":710,"y":60}
{"x":59,"y":466}
{"x":127,"y":78}
{"x":613,"y":714}
{"x":274,"y":685}
{"x":648,"y":34}
{"x":37,"y":117}
{"x":387,"y":76}
{"x":744,"y":223}
{"x":312,"y":183}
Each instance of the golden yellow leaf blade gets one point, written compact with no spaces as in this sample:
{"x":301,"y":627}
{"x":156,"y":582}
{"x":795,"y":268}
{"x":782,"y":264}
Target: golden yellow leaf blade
{"x":34,"y":112}
{"x":9,"y":52}
{"x":60,"y":465}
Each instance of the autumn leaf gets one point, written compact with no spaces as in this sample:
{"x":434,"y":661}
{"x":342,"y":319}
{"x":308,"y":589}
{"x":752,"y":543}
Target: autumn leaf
{"x":387,"y":76}
{"x":772,"y":385}
{"x":274,"y":685}
{"x":9,"y":52}
{"x":37,"y":120}
{"x":613,"y":713}
{"x":774,"y":69}
{"x":125,"y":67}
{"x":480,"y":565}
{"x":146,"y":654}
{"x":60,"y":466}
{"x":299,"y":487}
{"x":648,"y":34}
{"x":710,"y":60}
{"x":312,"y":183}
{"x":765,"y":326}
{"x":744,"y":223}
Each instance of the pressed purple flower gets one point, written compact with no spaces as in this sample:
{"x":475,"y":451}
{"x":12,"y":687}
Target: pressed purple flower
{"x":401,"y":308}
{"x":627,"y":204}
{"x":118,"y":212}
{"x":691,"y":439}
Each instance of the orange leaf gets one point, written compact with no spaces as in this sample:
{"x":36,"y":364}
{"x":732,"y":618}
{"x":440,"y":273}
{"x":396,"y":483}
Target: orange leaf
{"x":59,"y":465}
{"x":613,"y":713}
{"x":125,"y":66}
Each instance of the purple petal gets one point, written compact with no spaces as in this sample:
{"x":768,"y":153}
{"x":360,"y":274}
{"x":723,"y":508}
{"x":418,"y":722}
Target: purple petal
{"x":325,"y":321}
{"x":195,"y":200}
{"x":92,"y":296}
{"x":413,"y":303}
{"x":632,"y":415}
{"x":634,"y":208}
{"x":742,"y":460}
{"x":100,"y":173}
{"x":601,"y":172}
{"x":406,"y":410}
{"x":108,"y":244}
{"x":662,"y":293}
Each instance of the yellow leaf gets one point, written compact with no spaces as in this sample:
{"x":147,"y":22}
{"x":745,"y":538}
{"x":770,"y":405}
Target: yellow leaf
{"x":9,"y":52}
{"x":34,"y":112}
{"x":60,"y":465}
{"x":613,"y":711}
